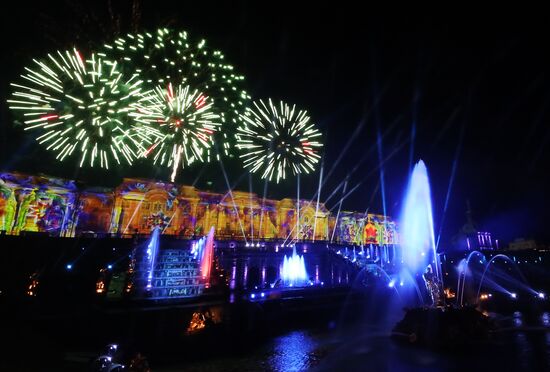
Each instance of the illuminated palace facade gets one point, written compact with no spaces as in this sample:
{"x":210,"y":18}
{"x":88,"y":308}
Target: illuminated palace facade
{"x":30,"y":203}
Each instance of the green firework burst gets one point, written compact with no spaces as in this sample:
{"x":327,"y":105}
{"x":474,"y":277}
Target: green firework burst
{"x":181,"y":124}
{"x":77,"y":105}
{"x":277,"y":139}
{"x":171,"y":57}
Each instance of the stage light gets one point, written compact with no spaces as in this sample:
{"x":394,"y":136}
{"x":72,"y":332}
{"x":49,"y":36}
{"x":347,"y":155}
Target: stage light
{"x":541,"y":295}
{"x":69,"y":266}
{"x":513,"y":295}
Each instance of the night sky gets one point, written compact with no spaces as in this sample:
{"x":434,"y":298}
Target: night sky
{"x":473,"y":87}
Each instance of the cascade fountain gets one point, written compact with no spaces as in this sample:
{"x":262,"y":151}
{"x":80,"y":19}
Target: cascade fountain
{"x":170,"y":273}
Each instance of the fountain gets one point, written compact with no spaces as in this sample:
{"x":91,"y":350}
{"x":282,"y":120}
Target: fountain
{"x":152,"y":251}
{"x":521,"y":284}
{"x":417,"y":230}
{"x":294,"y":270}
{"x":203,"y":251}
{"x":506,"y":285}
{"x":170,"y":273}
{"x":437,"y":323}
{"x":463,"y":271}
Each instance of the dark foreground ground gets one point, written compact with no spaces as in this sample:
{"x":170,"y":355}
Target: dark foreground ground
{"x":339,"y":332}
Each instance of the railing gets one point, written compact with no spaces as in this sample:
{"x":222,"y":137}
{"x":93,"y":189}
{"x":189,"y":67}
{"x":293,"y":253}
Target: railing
{"x":238,"y":239}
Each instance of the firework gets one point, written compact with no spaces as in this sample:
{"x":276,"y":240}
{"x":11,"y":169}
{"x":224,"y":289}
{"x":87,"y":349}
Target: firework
{"x":275,"y":140}
{"x":167,"y":56}
{"x":73,"y":104}
{"x":181,"y":123}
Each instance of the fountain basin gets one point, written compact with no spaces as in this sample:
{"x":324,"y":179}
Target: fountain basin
{"x":442,"y":327}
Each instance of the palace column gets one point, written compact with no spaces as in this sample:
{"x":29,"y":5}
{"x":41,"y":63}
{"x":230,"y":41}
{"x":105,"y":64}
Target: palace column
{"x":117,"y":215}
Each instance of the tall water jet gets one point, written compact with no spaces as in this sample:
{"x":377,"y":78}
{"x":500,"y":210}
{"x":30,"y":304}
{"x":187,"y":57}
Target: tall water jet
{"x":152,"y":251}
{"x":416,"y":226}
{"x":439,"y":324}
{"x":294,"y":270}
{"x":203,"y":251}
{"x":207,"y":256}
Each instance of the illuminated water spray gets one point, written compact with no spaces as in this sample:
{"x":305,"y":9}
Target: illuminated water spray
{"x":207,"y":256}
{"x":294,"y":270}
{"x":152,"y":251}
{"x":416,"y":226}
{"x":203,"y":251}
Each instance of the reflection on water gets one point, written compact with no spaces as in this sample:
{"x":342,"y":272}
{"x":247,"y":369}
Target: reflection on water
{"x":518,"y":322}
{"x":295,"y":351}
{"x":370,"y":349}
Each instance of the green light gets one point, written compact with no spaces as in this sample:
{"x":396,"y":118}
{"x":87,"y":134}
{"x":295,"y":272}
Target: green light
{"x":168,"y":56}
{"x":273,"y":139}
{"x":180,"y":124}
{"x":63,"y":91}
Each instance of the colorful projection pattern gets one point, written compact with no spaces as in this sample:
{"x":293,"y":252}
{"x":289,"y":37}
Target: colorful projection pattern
{"x":57,"y":207}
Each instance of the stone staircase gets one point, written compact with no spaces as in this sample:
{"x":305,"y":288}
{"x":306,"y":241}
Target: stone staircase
{"x":176,"y":275}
